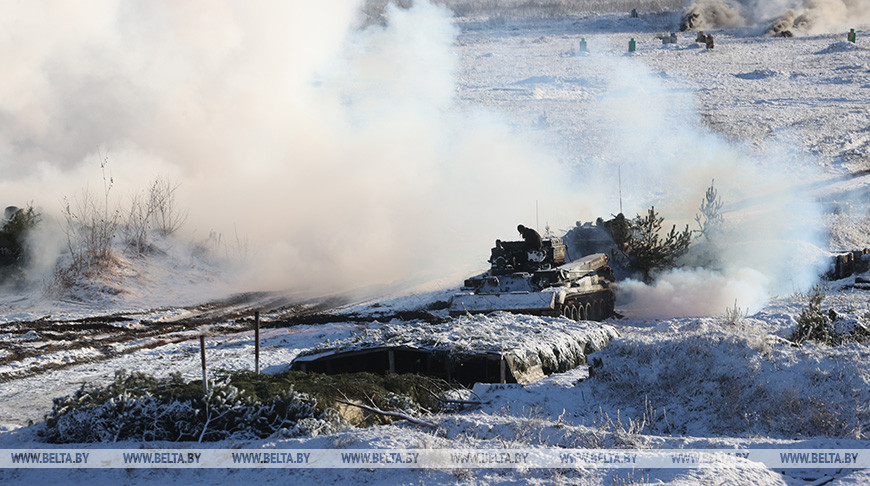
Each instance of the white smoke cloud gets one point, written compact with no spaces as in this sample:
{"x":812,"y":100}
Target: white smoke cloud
{"x":342,"y":156}
{"x":801,"y":16}
{"x":696,"y":292}
{"x":338,"y":154}
{"x":774,"y":227}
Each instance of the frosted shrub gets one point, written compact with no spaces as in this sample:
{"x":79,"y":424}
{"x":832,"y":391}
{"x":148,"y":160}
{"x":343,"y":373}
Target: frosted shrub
{"x":139,"y":407}
{"x":829,"y":327}
{"x":813,"y":324}
{"x":734,"y":315}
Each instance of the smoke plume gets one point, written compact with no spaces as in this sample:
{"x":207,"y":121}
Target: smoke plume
{"x":335,"y":156}
{"x":773,"y":232}
{"x":339,"y":156}
{"x":778,"y":16}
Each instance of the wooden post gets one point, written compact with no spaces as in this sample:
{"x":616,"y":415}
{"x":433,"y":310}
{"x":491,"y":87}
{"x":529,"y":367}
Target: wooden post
{"x":257,"y":341}
{"x":204,"y":368}
{"x":502,"y":365}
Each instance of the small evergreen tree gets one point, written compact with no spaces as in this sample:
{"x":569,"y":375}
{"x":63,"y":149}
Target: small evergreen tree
{"x":13,"y":242}
{"x":646,"y":250}
{"x":709,"y":217}
{"x":813,"y":324}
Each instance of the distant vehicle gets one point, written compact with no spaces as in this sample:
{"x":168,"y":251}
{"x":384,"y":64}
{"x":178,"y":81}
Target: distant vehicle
{"x":539,"y":282}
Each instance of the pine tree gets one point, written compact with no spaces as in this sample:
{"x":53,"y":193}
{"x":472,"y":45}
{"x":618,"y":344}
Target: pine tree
{"x":646,"y":250}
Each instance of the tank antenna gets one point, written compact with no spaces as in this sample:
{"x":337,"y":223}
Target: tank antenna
{"x":619,"y":183}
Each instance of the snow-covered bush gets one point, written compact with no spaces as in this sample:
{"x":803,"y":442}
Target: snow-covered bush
{"x":140,"y":407}
{"x":829,"y":327}
{"x":152,"y":210}
{"x":99,"y":231}
{"x":241,"y":405}
{"x":813,"y":324}
{"x":734,"y":315}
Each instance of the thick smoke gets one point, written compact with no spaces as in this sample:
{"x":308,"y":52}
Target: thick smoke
{"x":333,"y":156}
{"x":705,"y":14}
{"x":770,"y":242}
{"x":778,"y":16}
{"x":341,"y":156}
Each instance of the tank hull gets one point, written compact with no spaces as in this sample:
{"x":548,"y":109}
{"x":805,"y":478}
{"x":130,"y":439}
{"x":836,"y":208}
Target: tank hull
{"x":579,"y":290}
{"x":593,"y":306}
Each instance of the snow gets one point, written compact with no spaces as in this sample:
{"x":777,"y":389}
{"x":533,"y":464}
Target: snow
{"x":795,"y":105}
{"x":526,"y":341}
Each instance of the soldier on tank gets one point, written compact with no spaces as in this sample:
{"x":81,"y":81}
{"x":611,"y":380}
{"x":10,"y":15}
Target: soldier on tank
{"x":533,"y":256}
{"x":531,"y":237}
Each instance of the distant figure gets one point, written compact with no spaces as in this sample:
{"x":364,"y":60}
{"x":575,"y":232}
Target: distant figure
{"x":851,"y":37}
{"x":709,"y":41}
{"x":701,"y":39}
{"x":632,"y":46}
{"x":531,"y":237}
{"x":633,"y":13}
{"x":673,"y":38}
{"x":583,"y":44}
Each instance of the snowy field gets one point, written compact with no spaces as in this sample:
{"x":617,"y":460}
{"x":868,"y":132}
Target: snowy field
{"x":523,"y":126}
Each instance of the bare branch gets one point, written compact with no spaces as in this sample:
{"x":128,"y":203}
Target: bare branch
{"x":390,"y":414}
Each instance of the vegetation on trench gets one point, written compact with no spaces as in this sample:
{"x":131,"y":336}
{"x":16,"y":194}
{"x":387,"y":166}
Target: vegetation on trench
{"x":240,"y":405}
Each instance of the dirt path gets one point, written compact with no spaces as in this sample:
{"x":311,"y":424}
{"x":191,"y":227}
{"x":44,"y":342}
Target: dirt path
{"x":28,"y":348}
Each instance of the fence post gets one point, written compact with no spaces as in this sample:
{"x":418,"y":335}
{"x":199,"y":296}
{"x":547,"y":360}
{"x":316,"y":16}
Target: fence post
{"x":257,"y":341}
{"x":204,"y":368}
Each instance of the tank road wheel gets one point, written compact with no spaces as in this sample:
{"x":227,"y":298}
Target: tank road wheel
{"x":574,"y":313}
{"x":587,"y":311}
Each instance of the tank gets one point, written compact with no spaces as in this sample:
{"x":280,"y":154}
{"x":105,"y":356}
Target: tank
{"x":539,"y":282}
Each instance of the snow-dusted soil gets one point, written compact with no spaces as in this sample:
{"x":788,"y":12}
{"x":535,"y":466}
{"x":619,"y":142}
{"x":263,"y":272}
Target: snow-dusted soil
{"x":691,"y":382}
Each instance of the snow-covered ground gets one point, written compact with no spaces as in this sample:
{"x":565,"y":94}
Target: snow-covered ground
{"x":760,"y":115}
